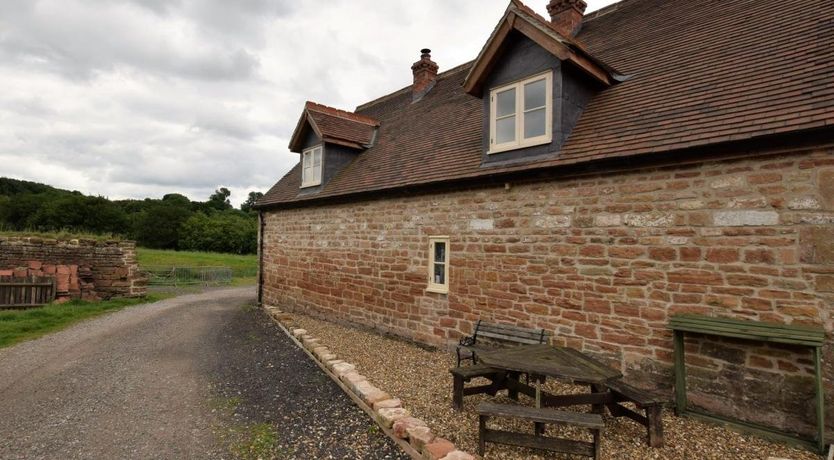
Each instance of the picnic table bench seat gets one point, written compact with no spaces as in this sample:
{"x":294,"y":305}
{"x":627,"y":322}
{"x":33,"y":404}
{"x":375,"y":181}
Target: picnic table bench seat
{"x":469,"y":346}
{"x":649,"y":402}
{"x":593,"y":422}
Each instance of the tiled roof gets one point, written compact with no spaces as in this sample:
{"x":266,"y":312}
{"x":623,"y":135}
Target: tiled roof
{"x":702,"y":73}
{"x":334,"y":125}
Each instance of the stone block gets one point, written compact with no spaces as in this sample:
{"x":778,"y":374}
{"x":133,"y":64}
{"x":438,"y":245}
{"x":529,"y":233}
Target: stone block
{"x":310,"y":342}
{"x":817,"y":245}
{"x":740,"y":218}
{"x":401,"y":426}
{"x":437,"y":449}
{"x":652,"y":219}
{"x":419,"y":436}
{"x":330,"y":364}
{"x":387,"y":416}
{"x":458,"y":455}
{"x":825,"y":283}
{"x":352,"y":378}
{"x":826,"y":186}
{"x":298,"y":333}
{"x":387,"y":403}
{"x":481,"y":224}
{"x":342,"y":368}
{"x":369,"y":393}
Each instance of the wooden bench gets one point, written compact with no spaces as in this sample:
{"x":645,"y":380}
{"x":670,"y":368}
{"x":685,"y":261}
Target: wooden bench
{"x":462,"y":375}
{"x":592,"y":422}
{"x":813,"y":337}
{"x":499,"y":334}
{"x":649,"y":402}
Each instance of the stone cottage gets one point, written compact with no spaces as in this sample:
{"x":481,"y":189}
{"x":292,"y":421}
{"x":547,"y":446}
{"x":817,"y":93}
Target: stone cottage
{"x":592,"y":175}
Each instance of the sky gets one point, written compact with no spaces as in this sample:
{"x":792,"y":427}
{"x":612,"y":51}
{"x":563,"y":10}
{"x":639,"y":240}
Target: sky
{"x":140,"y":98}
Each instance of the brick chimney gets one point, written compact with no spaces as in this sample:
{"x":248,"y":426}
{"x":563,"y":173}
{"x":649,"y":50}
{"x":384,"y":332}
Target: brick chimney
{"x":566,"y":15}
{"x":425,"y":74}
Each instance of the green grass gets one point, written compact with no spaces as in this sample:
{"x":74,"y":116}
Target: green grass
{"x":19,"y":325}
{"x":244,"y":267}
{"x":257,"y":442}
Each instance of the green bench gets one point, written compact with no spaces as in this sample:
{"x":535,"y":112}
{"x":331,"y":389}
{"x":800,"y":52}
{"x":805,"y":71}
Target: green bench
{"x":750,"y":330}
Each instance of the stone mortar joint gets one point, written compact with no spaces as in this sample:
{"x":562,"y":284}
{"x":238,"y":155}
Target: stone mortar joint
{"x":387,"y":409}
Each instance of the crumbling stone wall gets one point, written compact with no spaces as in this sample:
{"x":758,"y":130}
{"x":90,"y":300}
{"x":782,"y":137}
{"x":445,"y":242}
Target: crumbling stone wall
{"x":82,"y":268}
{"x":601,"y":261}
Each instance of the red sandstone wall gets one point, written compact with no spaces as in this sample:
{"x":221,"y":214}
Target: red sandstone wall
{"x":83,"y":268}
{"x":601,"y":261}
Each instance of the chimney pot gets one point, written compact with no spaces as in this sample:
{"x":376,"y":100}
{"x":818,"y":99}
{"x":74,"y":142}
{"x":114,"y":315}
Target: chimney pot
{"x":425,"y":74}
{"x":566,"y":15}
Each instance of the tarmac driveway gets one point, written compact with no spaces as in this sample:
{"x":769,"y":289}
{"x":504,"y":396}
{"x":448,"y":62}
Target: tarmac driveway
{"x":181,"y":378}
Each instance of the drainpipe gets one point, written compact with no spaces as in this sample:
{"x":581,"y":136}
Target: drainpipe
{"x":260,"y":258}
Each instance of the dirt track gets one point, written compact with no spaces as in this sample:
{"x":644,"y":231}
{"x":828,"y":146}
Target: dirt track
{"x":144,"y":383}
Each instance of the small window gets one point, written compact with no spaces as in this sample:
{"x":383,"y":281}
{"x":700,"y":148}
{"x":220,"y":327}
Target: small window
{"x":311,"y":167}
{"x":439,"y":264}
{"x":520,"y":114}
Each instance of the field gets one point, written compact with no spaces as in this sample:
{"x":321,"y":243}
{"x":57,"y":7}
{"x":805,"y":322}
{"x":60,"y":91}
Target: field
{"x":19,"y":325}
{"x":244,"y":267}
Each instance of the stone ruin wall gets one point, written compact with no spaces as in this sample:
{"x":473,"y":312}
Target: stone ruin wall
{"x":83,"y":269}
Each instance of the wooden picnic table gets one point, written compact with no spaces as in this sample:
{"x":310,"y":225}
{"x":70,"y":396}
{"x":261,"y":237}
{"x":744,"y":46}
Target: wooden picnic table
{"x":550,"y":361}
{"x":607,"y":388}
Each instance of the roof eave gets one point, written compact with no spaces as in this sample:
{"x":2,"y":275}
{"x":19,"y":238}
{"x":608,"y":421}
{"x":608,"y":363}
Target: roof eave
{"x":296,"y":140}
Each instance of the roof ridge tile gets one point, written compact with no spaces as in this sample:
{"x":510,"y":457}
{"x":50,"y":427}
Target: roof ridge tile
{"x":316,"y":107}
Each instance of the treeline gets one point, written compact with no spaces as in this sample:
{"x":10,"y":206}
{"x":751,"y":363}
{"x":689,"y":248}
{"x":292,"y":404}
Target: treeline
{"x":173,"y":222}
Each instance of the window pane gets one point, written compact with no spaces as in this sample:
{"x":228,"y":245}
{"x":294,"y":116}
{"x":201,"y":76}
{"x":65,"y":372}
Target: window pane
{"x":439,"y":273}
{"x":305,"y":159}
{"x":316,"y":157}
{"x":535,"y":94}
{"x":505,"y":130}
{"x":306,"y":176}
{"x":505,"y":103}
{"x":440,"y":252}
{"x":534,"y":123}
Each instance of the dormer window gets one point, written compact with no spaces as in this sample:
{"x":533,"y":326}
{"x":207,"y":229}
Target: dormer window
{"x":521,"y":114}
{"x":311,"y":161}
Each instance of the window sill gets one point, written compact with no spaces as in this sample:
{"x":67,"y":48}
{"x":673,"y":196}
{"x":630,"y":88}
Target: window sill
{"x":310,"y":185}
{"x":508,"y":148}
{"x":437,"y":290}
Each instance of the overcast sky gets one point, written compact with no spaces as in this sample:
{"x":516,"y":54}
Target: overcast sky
{"x":139,"y":98}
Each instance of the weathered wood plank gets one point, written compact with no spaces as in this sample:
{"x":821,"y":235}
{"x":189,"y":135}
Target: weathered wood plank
{"x":542,"y":415}
{"x":567,"y":446}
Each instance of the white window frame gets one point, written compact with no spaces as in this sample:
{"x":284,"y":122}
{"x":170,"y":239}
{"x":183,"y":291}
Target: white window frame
{"x":519,"y":141}
{"x":308,"y":161}
{"x":441,"y":288}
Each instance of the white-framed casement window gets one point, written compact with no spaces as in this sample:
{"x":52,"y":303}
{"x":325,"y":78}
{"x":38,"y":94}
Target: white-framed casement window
{"x":521,"y":113}
{"x":311,"y":163}
{"x":438,"y":264}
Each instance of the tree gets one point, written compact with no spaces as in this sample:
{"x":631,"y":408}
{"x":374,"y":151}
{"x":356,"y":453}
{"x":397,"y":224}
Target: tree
{"x":158,"y":226}
{"x":219,"y":200}
{"x":230,"y":231}
{"x":247,"y":205}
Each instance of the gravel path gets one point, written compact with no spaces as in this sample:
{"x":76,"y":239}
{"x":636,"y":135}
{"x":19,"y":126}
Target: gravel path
{"x":420,"y":378}
{"x":187,"y":377}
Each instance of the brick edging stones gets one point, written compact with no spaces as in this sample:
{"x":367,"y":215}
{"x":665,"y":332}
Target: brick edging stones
{"x":410,"y":433}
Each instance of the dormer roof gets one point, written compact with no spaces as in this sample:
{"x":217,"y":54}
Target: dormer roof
{"x":334,"y":126}
{"x":521,"y":18}
{"x":704,"y":76}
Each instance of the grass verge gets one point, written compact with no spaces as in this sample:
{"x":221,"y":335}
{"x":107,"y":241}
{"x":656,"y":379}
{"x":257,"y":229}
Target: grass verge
{"x":19,"y":325}
{"x":244,"y":267}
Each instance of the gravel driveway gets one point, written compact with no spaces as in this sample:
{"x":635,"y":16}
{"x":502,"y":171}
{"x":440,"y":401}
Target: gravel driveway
{"x":182,"y":378}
